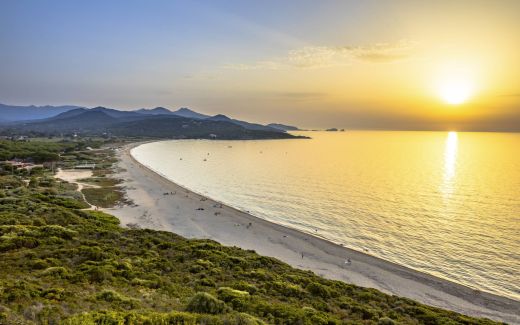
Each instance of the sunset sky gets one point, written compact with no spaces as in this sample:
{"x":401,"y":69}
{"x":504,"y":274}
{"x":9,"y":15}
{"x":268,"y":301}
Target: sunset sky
{"x":449,"y":65}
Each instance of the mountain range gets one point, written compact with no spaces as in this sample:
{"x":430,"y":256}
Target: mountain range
{"x":10,"y":113}
{"x":157,"y":122}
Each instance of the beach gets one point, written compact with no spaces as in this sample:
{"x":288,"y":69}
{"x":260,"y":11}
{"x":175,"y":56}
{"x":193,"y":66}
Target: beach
{"x":163,"y":205}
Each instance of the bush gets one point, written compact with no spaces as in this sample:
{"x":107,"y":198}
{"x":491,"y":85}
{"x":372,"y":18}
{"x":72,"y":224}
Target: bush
{"x":39,"y":264}
{"x":117,"y":299}
{"x":286,"y":289}
{"x":56,"y":271}
{"x":319,"y":290}
{"x":237,"y":298}
{"x":244,"y":286}
{"x":385,"y":321}
{"x":205,"y":303}
{"x":54,"y":294}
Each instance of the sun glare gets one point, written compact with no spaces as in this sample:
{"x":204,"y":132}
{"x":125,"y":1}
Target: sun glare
{"x":455,"y":81}
{"x":455,"y":91}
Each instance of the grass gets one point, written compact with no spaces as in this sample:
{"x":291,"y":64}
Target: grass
{"x":105,"y":197}
{"x":101,"y":181}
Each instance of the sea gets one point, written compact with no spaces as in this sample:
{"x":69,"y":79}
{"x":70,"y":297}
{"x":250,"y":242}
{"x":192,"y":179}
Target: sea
{"x":444,"y":203}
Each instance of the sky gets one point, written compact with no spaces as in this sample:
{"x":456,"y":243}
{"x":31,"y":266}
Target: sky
{"x":411,"y":65}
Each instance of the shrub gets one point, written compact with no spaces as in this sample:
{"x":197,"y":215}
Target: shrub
{"x":286,"y":289}
{"x":227,"y":294}
{"x":206,"y":282}
{"x":385,"y":321}
{"x":58,"y":231}
{"x":18,"y":242}
{"x":56,"y":271}
{"x":205,"y":303}
{"x":109,"y":295}
{"x":54,"y":294}
{"x":319,"y":290}
{"x":39,"y":264}
{"x":98,"y":273}
{"x":244,"y":286}
{"x":117,"y":299}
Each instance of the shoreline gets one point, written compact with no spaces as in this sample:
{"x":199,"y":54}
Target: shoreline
{"x":178,"y":212}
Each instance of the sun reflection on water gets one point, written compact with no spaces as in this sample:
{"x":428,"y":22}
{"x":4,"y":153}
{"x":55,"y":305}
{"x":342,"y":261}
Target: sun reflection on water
{"x":450,"y":161}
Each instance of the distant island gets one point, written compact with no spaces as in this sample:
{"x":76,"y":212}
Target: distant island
{"x":158,"y":122}
{"x":335,"y":130}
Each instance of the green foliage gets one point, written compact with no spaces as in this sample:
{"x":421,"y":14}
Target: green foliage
{"x":205,"y":303}
{"x":319,"y":290}
{"x":149,"y":318}
{"x":10,"y":181}
{"x":117,"y":299}
{"x":56,"y":272}
{"x":38,"y":151}
{"x":385,"y":321}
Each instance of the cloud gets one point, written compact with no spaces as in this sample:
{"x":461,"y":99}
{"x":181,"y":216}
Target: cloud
{"x":384,"y":52}
{"x":315,"y":56}
{"x":310,"y":57}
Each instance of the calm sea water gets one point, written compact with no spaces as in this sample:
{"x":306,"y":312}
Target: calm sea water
{"x":444,"y":203}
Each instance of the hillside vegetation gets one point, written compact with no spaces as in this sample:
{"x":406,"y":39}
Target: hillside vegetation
{"x":62,"y":264}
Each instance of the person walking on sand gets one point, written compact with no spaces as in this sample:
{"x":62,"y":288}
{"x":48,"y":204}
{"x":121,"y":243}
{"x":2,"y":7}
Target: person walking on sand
{"x":302,"y":255}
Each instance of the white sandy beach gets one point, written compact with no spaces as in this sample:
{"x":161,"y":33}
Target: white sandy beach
{"x":177,"y":212}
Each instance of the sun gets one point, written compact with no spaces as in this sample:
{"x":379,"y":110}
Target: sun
{"x":455,"y":80}
{"x":455,"y":91}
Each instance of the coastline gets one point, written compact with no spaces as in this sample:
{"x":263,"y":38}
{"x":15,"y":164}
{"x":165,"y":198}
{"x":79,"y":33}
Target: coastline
{"x":178,"y":213}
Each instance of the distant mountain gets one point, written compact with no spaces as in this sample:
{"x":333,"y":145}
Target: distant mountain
{"x":244,"y":124}
{"x":102,"y":121}
{"x":155,"y":111}
{"x":67,"y":114}
{"x":76,"y":121}
{"x":283,"y":127}
{"x":11,"y":113}
{"x":184,"y":128}
{"x":219,"y":117}
{"x":186,"y":112}
{"x":156,"y":122}
{"x":116,"y":113}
